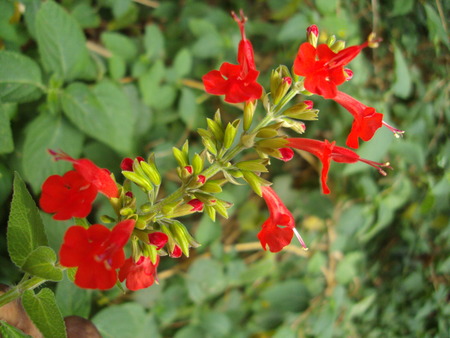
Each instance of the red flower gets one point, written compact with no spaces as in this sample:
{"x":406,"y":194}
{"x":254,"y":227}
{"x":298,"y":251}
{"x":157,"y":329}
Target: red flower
{"x":196,"y":204}
{"x":99,"y":177}
{"x":158,"y":239}
{"x":278,"y":229}
{"x":127,"y":163}
{"x":327,"y":151}
{"x":176,"y":253}
{"x":67,"y":196}
{"x":97,"y":252}
{"x":236,"y":82}
{"x":322,"y":68}
{"x":140,"y":274}
{"x":286,"y":154}
{"x":366,"y":119}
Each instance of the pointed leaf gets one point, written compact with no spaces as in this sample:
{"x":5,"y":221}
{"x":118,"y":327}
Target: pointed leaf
{"x":103,"y":112}
{"x":9,"y":331}
{"x":44,"y":312}
{"x":43,"y":133}
{"x":41,"y":263}
{"x":25,"y":228}
{"x":6,"y":140}
{"x":20,"y":78}
{"x":61,"y":41}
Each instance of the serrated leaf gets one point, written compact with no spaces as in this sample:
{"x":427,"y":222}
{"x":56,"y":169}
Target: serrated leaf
{"x":20,"y":78}
{"x":102,"y":112}
{"x":43,"y":133}
{"x":25,"y":228}
{"x":44,"y":312}
{"x":9,"y":331}
{"x":41,"y":263}
{"x":61,"y":41}
{"x":6,"y":140}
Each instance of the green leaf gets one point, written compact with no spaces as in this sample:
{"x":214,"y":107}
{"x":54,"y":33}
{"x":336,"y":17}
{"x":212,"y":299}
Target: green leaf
{"x":44,"y":312}
{"x":119,"y":45}
{"x":403,"y":84}
{"x":187,"y":107}
{"x":6,"y":140}
{"x":20,"y":78}
{"x":41,"y":263}
{"x":43,"y":133}
{"x":125,"y":321}
{"x":205,"y":279}
{"x":61,"y":41}
{"x":153,"y":42}
{"x":86,"y":15}
{"x":9,"y":331}
{"x":149,"y":84}
{"x":182,"y":63}
{"x":25,"y":229}
{"x":103,"y":112}
{"x":73,"y":300}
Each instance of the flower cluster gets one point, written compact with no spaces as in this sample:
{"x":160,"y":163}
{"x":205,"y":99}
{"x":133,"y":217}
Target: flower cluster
{"x":152,"y":229}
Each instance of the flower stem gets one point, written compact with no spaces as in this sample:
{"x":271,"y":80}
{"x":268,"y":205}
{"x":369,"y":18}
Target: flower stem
{"x":17,"y":291}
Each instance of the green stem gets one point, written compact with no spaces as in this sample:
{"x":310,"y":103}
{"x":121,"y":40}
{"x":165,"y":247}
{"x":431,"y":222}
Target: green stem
{"x":17,"y":291}
{"x":288,"y":97}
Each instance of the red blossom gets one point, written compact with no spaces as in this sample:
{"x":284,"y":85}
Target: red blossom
{"x":313,"y":29}
{"x":201,"y":179}
{"x":99,"y":177}
{"x":67,"y":196}
{"x":176,"y":252}
{"x":158,"y":239}
{"x":196,"y":204}
{"x":322,"y":68}
{"x":326,"y":151}
{"x":97,"y":252}
{"x":286,"y":154}
{"x":140,"y":274}
{"x":236,"y":82}
{"x":278,"y":229}
{"x":366,"y":120}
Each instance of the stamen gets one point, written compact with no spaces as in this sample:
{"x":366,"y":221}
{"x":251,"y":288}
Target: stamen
{"x":378,"y":166}
{"x":397,"y":132}
{"x":240,"y":21}
{"x":300,"y":239}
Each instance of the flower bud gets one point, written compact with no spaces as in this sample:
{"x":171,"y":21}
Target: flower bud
{"x":282,"y":89}
{"x":197,"y":164}
{"x":230,"y":133}
{"x":338,"y":46}
{"x":249,"y":110}
{"x":312,"y":35}
{"x":215,"y":129}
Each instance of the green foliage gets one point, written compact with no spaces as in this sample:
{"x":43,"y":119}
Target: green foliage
{"x":107,"y":79}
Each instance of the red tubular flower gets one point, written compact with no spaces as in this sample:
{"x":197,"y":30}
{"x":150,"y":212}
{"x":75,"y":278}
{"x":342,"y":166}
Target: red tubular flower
{"x":140,"y":274}
{"x":67,"y":196}
{"x":236,"y":82}
{"x":327,"y":151}
{"x":99,"y":177}
{"x":322,"y":68}
{"x":196,"y":204}
{"x":97,"y":252}
{"x":278,"y":229}
{"x":366,"y":120}
{"x":158,"y":239}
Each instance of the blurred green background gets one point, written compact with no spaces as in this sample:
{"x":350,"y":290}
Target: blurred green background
{"x":112,"y":78}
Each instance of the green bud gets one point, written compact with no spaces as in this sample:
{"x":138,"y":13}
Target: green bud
{"x":140,"y":224}
{"x":275,"y":79}
{"x":267,"y":133}
{"x":221,"y":208}
{"x":211,"y":187}
{"x":258,"y":165}
{"x":107,"y":219}
{"x":126,"y":212}
{"x":211,"y":212}
{"x":282,"y":89}
{"x":209,"y":145}
{"x":139,"y":180}
{"x":331,"y":40}
{"x":253,"y":181}
{"x":230,"y":177}
{"x":218,"y":118}
{"x":185,"y":149}
{"x":297,"y":126}
{"x":248,"y":140}
{"x":338,"y":46}
{"x":272,"y":143}
{"x":230,"y":134}
{"x":151,"y":172}
{"x":180,"y":157}
{"x":197,"y":164}
{"x":249,"y":111}
{"x":215,"y":129}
